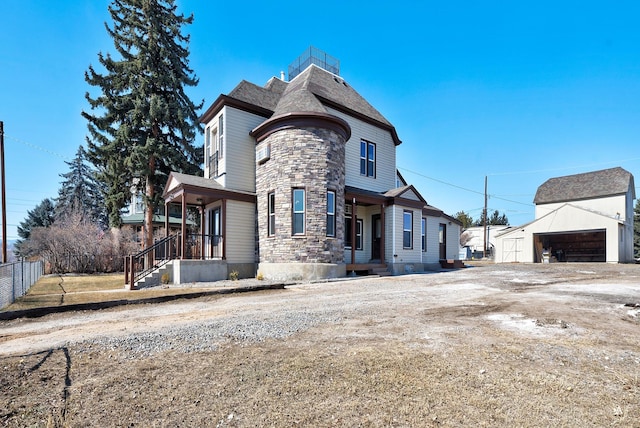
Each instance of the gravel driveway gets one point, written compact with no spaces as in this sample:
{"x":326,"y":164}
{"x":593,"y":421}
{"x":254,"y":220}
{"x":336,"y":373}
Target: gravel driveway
{"x":593,"y":307}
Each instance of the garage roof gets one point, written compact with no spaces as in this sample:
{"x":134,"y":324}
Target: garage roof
{"x":589,"y":185}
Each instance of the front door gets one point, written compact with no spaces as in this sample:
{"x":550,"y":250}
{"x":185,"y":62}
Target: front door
{"x":442,"y":238}
{"x":376,"y":236}
{"x":215,"y":233}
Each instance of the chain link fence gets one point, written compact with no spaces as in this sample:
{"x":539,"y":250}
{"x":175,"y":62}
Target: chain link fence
{"x":16,"y":279}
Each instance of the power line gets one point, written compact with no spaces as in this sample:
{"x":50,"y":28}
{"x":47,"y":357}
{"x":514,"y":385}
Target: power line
{"x":465,"y":189}
{"x":35,"y":146}
{"x":442,"y":181}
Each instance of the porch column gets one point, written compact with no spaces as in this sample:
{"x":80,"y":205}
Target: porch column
{"x":202,"y":246}
{"x":353,"y":231}
{"x":166,"y":219}
{"x":382,"y":259}
{"x":183,"y":230}
{"x":224,"y":229}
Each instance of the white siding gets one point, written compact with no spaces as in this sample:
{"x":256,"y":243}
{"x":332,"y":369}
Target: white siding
{"x":236,"y":168}
{"x":395,"y":253}
{"x":609,"y":206}
{"x":410,"y":194}
{"x":566,"y":219}
{"x":240,"y":232}
{"x":453,"y":239}
{"x":385,"y":155}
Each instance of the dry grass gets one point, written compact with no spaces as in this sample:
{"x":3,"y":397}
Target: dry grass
{"x":56,"y":290}
{"x":324,"y":384}
{"x":56,"y":284}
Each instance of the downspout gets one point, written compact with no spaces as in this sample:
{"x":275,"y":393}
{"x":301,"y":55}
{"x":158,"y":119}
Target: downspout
{"x":382,"y":235}
{"x":353,"y":231}
{"x":393,"y":234}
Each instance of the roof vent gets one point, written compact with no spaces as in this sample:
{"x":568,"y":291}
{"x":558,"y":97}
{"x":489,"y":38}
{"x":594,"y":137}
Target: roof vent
{"x":317,"y":57}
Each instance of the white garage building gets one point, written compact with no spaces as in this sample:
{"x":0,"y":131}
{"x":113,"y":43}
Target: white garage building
{"x":578,"y":218}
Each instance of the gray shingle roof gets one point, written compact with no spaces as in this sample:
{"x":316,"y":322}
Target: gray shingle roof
{"x":312,"y":91}
{"x":315,"y":85}
{"x":262,"y":96}
{"x":596,"y":184}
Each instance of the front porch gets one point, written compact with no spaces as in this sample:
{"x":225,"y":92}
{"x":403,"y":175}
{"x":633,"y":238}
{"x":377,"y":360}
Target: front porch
{"x":368,"y":268}
{"x":201,"y":253}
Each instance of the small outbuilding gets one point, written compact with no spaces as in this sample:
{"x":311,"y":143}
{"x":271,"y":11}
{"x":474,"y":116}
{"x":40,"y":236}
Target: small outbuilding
{"x":578,"y":218}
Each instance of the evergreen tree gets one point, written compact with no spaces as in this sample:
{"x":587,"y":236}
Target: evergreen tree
{"x":81,"y":192}
{"x":143,"y":125}
{"x":498,"y":219}
{"x":636,"y":230}
{"x":41,"y":216}
{"x":465,"y":219}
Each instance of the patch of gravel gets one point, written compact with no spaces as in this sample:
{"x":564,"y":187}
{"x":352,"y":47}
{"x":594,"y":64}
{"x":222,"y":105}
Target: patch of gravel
{"x":207,"y":336}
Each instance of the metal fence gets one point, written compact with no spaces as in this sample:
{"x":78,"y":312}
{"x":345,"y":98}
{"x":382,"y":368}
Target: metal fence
{"x":16,"y":279}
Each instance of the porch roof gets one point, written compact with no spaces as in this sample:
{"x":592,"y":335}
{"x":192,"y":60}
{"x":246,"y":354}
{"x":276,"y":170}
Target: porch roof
{"x":200,"y":191}
{"x":158,"y":219}
{"x":391,"y":197}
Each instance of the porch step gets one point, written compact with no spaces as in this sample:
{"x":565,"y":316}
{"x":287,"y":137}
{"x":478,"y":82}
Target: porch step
{"x":381,"y":271}
{"x":154,"y":278}
{"x":371,"y":268}
{"x":451,"y":264}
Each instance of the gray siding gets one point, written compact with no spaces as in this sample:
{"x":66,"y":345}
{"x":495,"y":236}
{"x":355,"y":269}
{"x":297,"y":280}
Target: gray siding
{"x":385,"y":155}
{"x":240,"y":232}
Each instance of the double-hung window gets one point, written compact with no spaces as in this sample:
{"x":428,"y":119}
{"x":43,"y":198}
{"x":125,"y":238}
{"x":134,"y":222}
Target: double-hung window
{"x":331,"y":213}
{"x":271,"y":209}
{"x":348,"y":233}
{"x":298,"y":211}
{"x":407,"y":230}
{"x":424,"y":234}
{"x":220,"y":147}
{"x":207,"y":144}
{"x":367,"y":159}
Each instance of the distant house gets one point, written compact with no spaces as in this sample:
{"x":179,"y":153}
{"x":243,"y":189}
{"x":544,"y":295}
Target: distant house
{"x":476,"y":242}
{"x":300,"y":182}
{"x":578,"y":218}
{"x":134,"y":216}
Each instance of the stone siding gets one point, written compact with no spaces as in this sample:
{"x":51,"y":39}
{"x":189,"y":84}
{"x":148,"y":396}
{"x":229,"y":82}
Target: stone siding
{"x":311,"y":159}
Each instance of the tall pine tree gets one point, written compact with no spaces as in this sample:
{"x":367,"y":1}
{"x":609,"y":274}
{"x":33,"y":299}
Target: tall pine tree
{"x":142,"y":124}
{"x":81,"y":192}
{"x":41,"y":216}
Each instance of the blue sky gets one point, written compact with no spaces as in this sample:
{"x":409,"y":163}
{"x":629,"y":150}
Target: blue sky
{"x":519,"y":91}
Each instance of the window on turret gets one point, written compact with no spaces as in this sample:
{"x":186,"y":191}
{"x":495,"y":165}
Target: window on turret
{"x":271,"y":203}
{"x":331,"y":213}
{"x":298,"y":211}
{"x":367,"y":159}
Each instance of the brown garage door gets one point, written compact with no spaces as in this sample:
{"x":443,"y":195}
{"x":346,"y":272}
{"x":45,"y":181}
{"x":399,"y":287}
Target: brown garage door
{"x":579,"y":246}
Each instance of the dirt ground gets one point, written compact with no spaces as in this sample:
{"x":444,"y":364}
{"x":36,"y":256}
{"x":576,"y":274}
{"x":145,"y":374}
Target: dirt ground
{"x":493,"y":345}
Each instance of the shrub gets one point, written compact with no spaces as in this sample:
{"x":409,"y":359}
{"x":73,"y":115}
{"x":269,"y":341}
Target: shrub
{"x":233,"y":275}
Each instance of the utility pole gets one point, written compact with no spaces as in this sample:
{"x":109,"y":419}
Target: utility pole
{"x":4,"y":197}
{"x":484,"y":217}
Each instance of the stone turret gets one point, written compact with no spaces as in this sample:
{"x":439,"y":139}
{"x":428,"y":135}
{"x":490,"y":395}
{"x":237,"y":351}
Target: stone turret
{"x":300,"y":147}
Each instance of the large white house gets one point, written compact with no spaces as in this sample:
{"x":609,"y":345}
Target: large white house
{"x":583,"y":217}
{"x":300,"y":182}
